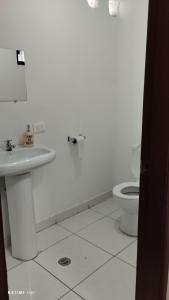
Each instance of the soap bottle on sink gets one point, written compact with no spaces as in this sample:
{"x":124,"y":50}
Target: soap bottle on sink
{"x":28,"y":139}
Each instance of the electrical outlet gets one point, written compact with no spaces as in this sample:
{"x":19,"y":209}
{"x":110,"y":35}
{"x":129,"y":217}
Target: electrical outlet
{"x":39,"y":127}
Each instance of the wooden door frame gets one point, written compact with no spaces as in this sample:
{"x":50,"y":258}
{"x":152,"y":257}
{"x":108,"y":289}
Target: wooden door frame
{"x":153,"y":240}
{"x":3,"y":270}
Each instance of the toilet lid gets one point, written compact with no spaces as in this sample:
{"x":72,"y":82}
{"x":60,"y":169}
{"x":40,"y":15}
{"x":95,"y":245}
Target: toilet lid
{"x":135,"y":163}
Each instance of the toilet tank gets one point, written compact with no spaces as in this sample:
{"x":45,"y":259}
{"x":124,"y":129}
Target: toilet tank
{"x":135,"y":161}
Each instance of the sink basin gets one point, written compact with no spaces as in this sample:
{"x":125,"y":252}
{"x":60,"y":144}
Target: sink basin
{"x":22,"y":160}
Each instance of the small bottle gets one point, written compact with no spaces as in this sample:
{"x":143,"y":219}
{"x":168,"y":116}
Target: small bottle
{"x":28,"y":137}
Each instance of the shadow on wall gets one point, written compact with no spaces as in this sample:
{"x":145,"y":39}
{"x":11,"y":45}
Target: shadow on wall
{"x":77,"y":153}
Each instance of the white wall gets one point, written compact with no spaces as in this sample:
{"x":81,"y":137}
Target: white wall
{"x":85,"y":73}
{"x":69,"y":52}
{"x":12,"y":77}
{"x":131,"y":31}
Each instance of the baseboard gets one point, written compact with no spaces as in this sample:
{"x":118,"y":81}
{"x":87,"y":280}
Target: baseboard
{"x":62,"y":215}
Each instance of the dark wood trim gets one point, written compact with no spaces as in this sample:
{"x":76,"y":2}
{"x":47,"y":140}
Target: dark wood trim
{"x":22,"y":63}
{"x":153,"y":241}
{"x":3,"y":271}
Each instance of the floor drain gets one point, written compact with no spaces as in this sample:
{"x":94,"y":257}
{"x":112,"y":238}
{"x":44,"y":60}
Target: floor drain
{"x":64,"y":261}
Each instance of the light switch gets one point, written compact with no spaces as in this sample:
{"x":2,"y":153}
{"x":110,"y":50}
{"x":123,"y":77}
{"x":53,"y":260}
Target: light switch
{"x":39,"y":127}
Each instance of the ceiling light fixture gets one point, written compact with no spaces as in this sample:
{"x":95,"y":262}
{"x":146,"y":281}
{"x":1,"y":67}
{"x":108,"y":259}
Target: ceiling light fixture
{"x":114,"y":7}
{"x":93,"y":3}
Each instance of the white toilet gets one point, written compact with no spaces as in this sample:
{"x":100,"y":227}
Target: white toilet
{"x":127,"y":194}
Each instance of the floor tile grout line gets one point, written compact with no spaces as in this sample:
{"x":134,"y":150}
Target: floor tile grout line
{"x":114,"y":255}
{"x":53,"y":244}
{"x":94,"y":245}
{"x":78,"y":295}
{"x":58,"y":223}
{"x":125,"y":262}
{"x":23,"y":262}
{"x":76,"y":234}
{"x":87,"y":209}
{"x":66,"y":237}
{"x":14,"y":267}
{"x":101,"y":267}
{"x":46,"y":228}
{"x":116,"y":219}
{"x":105,"y":214}
{"x":71,"y":291}
{"x":39,"y":252}
{"x":65,"y":228}
{"x":106,"y":262}
{"x":72,"y":288}
{"x":126,"y":247}
{"x":53,"y":275}
{"x":101,"y":218}
{"x":61,"y":297}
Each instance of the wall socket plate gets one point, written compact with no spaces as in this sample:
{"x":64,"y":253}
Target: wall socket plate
{"x":39,"y":127}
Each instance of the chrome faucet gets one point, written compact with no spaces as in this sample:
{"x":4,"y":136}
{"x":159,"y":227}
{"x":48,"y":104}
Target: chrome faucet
{"x":8,"y":145}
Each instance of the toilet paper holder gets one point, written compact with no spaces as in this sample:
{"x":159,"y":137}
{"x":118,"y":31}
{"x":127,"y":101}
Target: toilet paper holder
{"x":75,"y":139}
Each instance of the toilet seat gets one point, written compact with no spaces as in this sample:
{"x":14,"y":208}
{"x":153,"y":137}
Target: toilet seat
{"x":124,"y":190}
{"x":127,"y":196}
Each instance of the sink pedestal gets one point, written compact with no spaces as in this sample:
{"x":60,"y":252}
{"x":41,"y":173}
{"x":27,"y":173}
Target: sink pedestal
{"x":16,"y":166}
{"x":21,"y":216}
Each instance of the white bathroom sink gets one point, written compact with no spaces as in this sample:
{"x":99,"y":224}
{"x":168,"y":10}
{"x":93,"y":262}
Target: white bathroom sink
{"x":22,"y":159}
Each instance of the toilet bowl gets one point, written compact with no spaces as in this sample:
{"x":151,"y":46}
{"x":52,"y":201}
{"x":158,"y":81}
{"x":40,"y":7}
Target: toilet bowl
{"x":127,"y":196}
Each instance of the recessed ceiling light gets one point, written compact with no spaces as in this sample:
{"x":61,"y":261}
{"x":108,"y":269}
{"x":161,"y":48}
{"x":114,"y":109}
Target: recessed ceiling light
{"x":114,"y":7}
{"x":93,"y":3}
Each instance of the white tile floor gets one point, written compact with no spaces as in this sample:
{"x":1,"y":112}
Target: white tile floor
{"x":10,"y":261}
{"x":115,"y":280}
{"x":51,"y":236}
{"x":85,"y":259}
{"x":106,"y":235}
{"x":30,"y":277}
{"x":116,"y":214}
{"x":71,"y":296}
{"x":129,"y":254}
{"x":103,"y":260}
{"x":106,"y":207}
{"x":80,"y":221}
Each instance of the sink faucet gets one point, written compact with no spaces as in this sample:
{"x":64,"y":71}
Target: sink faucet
{"x":8,"y":145}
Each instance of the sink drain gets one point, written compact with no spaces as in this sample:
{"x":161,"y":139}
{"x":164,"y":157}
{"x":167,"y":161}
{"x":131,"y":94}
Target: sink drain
{"x":64,"y":261}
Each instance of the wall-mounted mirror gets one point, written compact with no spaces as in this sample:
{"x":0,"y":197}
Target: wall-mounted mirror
{"x":12,"y":76}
